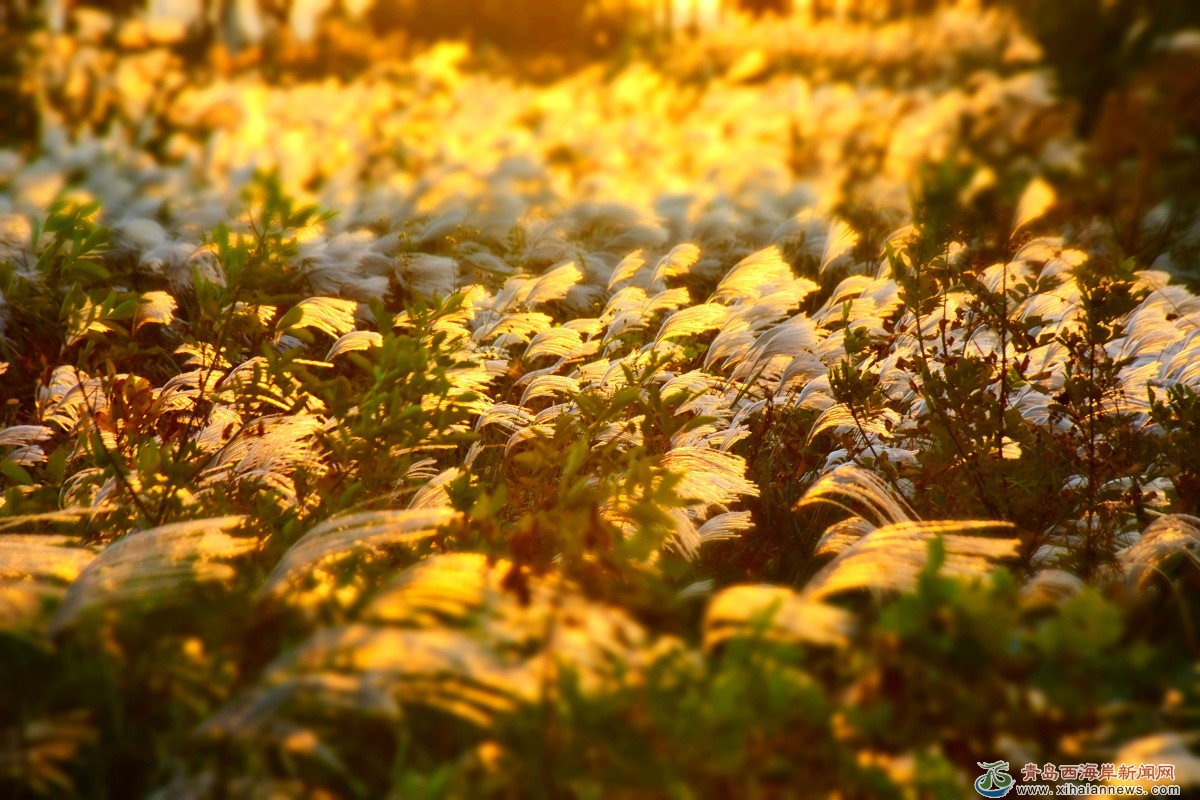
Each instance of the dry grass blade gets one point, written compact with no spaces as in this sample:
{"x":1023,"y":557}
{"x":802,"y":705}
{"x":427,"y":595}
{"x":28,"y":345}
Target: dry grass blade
{"x":330,"y":315}
{"x":449,"y":586}
{"x":858,"y":485}
{"x":35,"y":568}
{"x":154,"y":308}
{"x":841,"y":535}
{"x":892,"y":557}
{"x":677,"y":262}
{"x":259,"y":710}
{"x":428,"y":275}
{"x":729,"y":525}
{"x":548,"y":386}
{"x":629,"y":267}
{"x":435,"y":494}
{"x":352,"y":341}
{"x":42,"y":556}
{"x":446,"y":634}
{"x":367,"y":669}
{"x":840,"y":240}
{"x":509,"y":328}
{"x":1170,"y":536}
{"x":686,"y":540}
{"x":554,"y":285}
{"x":839,"y":417}
{"x":464,"y":590}
{"x":668,"y":300}
{"x":69,"y":396}
{"x":1049,"y":588}
{"x":1035,"y":201}
{"x":269,"y":450}
{"x":344,"y":535}
{"x":709,"y":476}
{"x":24,"y":435}
{"x":66,"y":516}
{"x":790,"y":338}
{"x":508,"y":416}
{"x":693,"y":320}
{"x":151,"y":562}
{"x":775,"y":613}
{"x":754,"y":276}
{"x":558,"y":342}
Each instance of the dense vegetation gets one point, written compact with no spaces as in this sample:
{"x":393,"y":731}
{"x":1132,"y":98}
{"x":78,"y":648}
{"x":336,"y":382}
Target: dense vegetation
{"x":791,"y":411}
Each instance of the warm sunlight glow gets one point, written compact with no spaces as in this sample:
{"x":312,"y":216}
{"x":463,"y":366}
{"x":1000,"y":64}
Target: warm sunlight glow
{"x":599,"y":398}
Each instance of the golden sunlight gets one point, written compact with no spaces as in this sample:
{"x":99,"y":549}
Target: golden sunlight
{"x":599,"y":398}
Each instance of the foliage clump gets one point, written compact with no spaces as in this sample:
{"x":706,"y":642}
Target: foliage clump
{"x":838,"y":480}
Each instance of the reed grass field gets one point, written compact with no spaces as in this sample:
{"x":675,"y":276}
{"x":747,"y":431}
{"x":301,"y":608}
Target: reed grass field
{"x":605,"y":398}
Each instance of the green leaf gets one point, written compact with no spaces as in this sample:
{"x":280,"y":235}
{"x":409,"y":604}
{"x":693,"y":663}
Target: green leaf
{"x":16,"y":474}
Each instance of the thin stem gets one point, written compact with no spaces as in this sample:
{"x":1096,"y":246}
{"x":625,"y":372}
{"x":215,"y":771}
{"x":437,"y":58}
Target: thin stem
{"x":863,"y":433}
{"x":1001,"y":428}
{"x":926,"y":374}
{"x":118,"y":473}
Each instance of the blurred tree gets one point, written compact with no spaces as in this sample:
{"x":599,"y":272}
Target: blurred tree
{"x":1097,"y":46}
{"x":526,"y":26}
{"x":1135,"y":106}
{"x":760,"y":7}
{"x":18,"y":107}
